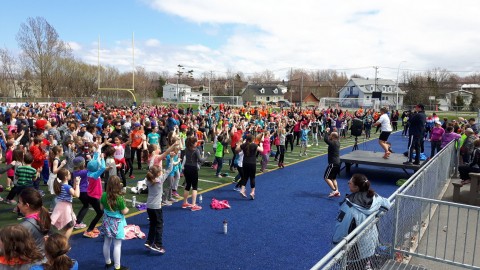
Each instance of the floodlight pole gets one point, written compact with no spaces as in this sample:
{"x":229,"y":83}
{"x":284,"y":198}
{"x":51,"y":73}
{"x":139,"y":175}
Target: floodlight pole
{"x":133,"y":62}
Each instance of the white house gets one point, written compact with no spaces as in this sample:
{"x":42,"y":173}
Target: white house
{"x":364,"y":89}
{"x":180,"y":93}
{"x":263,"y":93}
{"x":451,"y":97}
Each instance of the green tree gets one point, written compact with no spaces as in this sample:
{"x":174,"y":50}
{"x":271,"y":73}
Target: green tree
{"x":459,"y":103}
{"x":474,"y":102}
{"x":162,"y":81}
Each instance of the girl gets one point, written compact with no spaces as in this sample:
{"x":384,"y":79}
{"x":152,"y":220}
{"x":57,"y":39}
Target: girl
{"x":365,"y":202}
{"x":266,"y":150}
{"x":18,"y":159}
{"x":249,"y":163}
{"x":37,"y":219}
{"x":119,"y":157}
{"x":56,"y":249}
{"x":18,"y":250}
{"x":193,"y":159}
{"x":282,"y":139}
{"x":80,"y":171}
{"x":155,"y":179}
{"x":63,"y":217}
{"x":55,"y":166}
{"x":172,"y":179}
{"x":95,"y":168}
{"x":111,"y":166}
{"x":8,"y":161}
{"x":114,"y":208}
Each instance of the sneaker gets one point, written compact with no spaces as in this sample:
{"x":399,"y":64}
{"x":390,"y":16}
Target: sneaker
{"x":236,"y":189}
{"x":219,"y":176}
{"x":166,"y":203}
{"x":175,"y":194}
{"x":41,"y":193}
{"x":108,"y":265}
{"x":12,"y":202}
{"x":79,"y":226}
{"x":335,"y":193}
{"x":186,"y":205}
{"x":20,"y":217}
{"x":173,"y":200}
{"x":90,"y":234}
{"x":8,"y":188}
{"x":147,"y":244}
{"x":132,"y":176}
{"x":123,"y":268}
{"x":96,"y":231}
{"x":196,"y":208}
{"x":156,"y":248}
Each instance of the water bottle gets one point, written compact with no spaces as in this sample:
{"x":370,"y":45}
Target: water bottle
{"x":200,"y":198}
{"x":225,"y":226}
{"x":134,"y":201}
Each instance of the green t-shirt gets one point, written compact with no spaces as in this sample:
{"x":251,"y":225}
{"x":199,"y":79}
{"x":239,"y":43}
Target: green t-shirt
{"x":118,"y":207}
{"x":219,"y":152}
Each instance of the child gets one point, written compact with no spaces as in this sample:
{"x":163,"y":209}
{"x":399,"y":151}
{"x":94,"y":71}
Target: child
{"x":55,"y":166}
{"x":333,"y":168}
{"x":80,"y":171}
{"x":221,"y":140}
{"x":56,"y":249}
{"x":304,"y":140}
{"x":25,"y":175}
{"x":266,"y":150}
{"x":6,"y":169}
{"x":111,"y":166}
{"x":173,"y":176}
{"x":238,"y":162}
{"x":113,"y":205}
{"x":119,"y":157}
{"x":95,"y":168}
{"x":155,"y":179}
{"x":69,"y":154}
{"x":315,"y":128}
{"x":18,"y":248}
{"x":18,"y":161}
{"x":128,"y":158}
{"x":62,"y":216}
{"x":8,"y":161}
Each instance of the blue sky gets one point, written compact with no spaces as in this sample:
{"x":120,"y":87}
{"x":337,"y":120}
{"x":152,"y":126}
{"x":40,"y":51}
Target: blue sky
{"x":252,"y":36}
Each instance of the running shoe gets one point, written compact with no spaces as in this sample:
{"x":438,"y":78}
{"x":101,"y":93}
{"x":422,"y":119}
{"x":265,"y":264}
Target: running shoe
{"x":12,"y":202}
{"x":79,"y":226}
{"x":132,"y":176}
{"x":186,"y":205}
{"x":335,"y":193}
{"x":166,"y":203}
{"x":156,"y":248}
{"x":147,"y":245}
{"x":196,"y":208}
{"x":90,"y":234}
{"x":96,"y":231}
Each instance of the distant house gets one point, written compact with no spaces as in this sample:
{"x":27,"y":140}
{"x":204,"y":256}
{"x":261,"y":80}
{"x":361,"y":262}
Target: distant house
{"x":451,"y":98}
{"x":180,"y":93}
{"x":259,"y":94}
{"x":305,"y":98}
{"x":364,"y":89}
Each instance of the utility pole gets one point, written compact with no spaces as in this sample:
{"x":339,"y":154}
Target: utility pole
{"x":301,"y":93}
{"x":375,"y":85}
{"x":209,"y":87}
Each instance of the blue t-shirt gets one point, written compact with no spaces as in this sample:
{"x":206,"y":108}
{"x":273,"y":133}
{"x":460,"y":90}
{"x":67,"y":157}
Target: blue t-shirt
{"x":153,"y":138}
{"x":65,"y":195}
{"x":40,"y":267}
{"x":304,"y":133}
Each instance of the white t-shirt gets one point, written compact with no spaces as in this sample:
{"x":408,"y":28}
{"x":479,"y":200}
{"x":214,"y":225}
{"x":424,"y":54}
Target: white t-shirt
{"x":385,"y":123}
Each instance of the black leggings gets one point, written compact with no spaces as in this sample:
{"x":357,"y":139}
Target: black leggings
{"x":296,"y":135}
{"x":191,"y":177}
{"x":249,"y":171}
{"x":129,"y":169}
{"x":289,"y":139}
{"x":137,"y":151}
{"x":95,"y":203}
{"x":83,"y":211}
{"x":282,"y":154}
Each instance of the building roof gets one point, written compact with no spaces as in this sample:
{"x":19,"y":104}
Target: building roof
{"x":265,"y":90}
{"x":180,"y":85}
{"x":472,"y":85}
{"x":459,"y":91}
{"x":363,"y":83}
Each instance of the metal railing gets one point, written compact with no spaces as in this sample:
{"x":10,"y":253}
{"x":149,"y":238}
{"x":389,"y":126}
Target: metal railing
{"x":372,"y":243}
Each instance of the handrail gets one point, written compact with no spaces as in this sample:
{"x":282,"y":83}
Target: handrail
{"x":339,"y":246}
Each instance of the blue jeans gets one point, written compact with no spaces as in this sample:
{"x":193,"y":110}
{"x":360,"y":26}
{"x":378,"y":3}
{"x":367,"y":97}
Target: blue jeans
{"x":219,"y":162}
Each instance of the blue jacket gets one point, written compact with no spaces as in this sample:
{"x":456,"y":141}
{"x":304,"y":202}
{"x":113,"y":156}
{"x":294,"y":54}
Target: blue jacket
{"x":353,"y":211}
{"x":417,"y":124}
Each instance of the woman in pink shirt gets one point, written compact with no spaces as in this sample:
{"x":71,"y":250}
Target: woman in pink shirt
{"x":436,"y":138}
{"x":266,"y":150}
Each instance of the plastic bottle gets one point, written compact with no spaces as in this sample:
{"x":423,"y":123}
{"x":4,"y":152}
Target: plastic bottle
{"x":225,"y":226}
{"x":200,"y":198}
{"x":134,"y":201}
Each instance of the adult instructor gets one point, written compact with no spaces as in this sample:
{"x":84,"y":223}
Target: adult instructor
{"x":416,"y":133}
{"x":386,"y":129}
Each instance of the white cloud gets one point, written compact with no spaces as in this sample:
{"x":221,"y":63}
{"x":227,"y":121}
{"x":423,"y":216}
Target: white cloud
{"x":319,"y":34}
{"x":74,"y":45}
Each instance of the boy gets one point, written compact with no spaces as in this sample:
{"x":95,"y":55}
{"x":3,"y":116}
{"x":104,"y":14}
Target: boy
{"x":333,"y":168}
{"x":25,"y":176}
{"x":219,"y":153}
{"x":303,"y":140}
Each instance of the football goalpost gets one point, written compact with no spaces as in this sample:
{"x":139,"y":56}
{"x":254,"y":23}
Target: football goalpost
{"x":129,"y":90}
{"x":349,"y":103}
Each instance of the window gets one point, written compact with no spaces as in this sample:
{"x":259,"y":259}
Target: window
{"x":386,"y":98}
{"x":389,"y":89}
{"x":275,"y":91}
{"x":262,"y":90}
{"x":383,"y":98}
{"x":268,"y":98}
{"x":384,"y":88}
{"x":368,"y":97}
{"x":371,"y":87}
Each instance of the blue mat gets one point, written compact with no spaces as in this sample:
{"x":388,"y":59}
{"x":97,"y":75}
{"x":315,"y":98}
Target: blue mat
{"x":288,"y":226}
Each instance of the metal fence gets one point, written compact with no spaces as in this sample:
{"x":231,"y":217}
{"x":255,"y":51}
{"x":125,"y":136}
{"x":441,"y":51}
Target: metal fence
{"x":389,"y":236}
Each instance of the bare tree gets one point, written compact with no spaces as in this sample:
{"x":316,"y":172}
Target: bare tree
{"x":9,"y":70}
{"x":43,"y":50}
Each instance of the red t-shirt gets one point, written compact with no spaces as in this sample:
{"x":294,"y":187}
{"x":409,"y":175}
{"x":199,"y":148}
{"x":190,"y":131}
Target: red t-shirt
{"x":41,"y":123}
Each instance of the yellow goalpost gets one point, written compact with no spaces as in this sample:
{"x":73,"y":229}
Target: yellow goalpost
{"x":129,"y":90}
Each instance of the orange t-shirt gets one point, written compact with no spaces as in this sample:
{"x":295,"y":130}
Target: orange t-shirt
{"x":136,"y":137}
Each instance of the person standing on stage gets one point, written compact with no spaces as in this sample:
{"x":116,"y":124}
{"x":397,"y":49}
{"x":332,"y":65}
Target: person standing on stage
{"x":416,"y":133}
{"x":384,"y":124}
{"x":333,"y":168}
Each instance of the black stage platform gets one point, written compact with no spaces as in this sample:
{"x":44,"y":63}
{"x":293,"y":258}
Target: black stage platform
{"x":376,"y":159}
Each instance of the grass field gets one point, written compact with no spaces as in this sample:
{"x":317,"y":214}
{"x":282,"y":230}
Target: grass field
{"x":207,"y":181}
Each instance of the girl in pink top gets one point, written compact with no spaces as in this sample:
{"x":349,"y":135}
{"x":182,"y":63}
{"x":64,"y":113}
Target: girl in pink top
{"x":266,"y":150}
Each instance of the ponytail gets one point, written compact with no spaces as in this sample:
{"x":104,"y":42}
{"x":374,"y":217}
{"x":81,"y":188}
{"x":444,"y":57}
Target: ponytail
{"x":153,"y":173}
{"x":57,"y":247}
{"x":57,"y":185}
{"x":361,"y":181}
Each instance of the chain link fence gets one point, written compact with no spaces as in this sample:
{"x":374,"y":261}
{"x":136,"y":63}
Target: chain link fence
{"x":382,"y":238}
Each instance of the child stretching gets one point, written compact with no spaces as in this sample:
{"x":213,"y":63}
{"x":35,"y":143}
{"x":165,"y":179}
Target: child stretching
{"x":55,"y":165}
{"x":62,"y":216}
{"x":155,"y":178}
{"x":114,"y":208}
{"x":173,"y":158}
{"x":222,"y":139}
{"x":304,"y":140}
{"x":80,"y":171}
{"x":333,"y":168}
{"x":266,"y":150}
{"x":8,"y":161}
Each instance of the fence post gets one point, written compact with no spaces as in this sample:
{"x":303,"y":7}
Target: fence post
{"x":395,"y":231}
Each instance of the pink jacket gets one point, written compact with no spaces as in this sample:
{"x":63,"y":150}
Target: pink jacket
{"x":266,"y":146}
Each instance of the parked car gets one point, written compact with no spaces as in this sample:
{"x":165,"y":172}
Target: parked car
{"x":284,"y":103}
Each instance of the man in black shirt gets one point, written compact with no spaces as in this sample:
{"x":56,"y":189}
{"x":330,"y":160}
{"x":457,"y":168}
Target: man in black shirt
{"x":416,"y":132}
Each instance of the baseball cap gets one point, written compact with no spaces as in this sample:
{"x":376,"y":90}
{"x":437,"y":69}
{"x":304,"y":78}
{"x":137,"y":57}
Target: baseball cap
{"x":438,"y":123}
{"x":136,"y":124}
{"x":78,"y":161}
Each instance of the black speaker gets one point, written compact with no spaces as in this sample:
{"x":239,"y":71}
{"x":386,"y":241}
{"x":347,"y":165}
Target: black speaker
{"x":377,"y":95}
{"x":356,"y":128}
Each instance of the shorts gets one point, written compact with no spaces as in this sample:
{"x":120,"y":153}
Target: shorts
{"x":331,"y":171}
{"x":384,"y":136}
